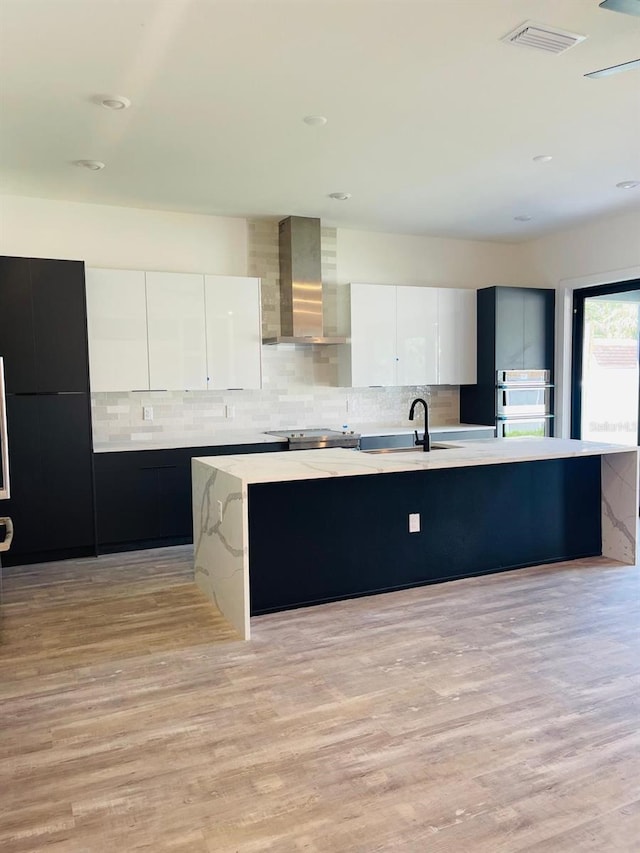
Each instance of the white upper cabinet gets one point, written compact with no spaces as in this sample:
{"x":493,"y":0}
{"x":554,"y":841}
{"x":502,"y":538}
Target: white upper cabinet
{"x":172,"y":331}
{"x":371,"y":356}
{"x":456,"y":336}
{"x":417,"y":335}
{"x":409,"y":335}
{"x":177,"y":340}
{"x":233,"y":323}
{"x":117,"y":329}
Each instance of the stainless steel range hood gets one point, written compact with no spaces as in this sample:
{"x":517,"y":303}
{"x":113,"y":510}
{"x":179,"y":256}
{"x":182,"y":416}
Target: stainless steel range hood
{"x":301,"y":284}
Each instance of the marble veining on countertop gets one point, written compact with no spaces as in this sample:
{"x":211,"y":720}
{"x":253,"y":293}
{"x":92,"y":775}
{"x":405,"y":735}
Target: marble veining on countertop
{"x":340,"y":462}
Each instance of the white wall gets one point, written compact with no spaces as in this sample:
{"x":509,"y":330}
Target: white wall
{"x":599,"y":252}
{"x":366,"y":256}
{"x":133,"y":238}
{"x":122,"y":237}
{"x":603,"y":249}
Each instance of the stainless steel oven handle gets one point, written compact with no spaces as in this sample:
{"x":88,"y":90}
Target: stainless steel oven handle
{"x":533,"y":386}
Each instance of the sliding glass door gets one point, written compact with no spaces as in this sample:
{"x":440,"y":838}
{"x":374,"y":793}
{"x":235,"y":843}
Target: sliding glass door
{"x":606,"y":381}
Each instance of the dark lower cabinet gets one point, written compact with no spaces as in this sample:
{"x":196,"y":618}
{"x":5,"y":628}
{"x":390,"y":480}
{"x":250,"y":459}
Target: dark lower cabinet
{"x":51,"y":478}
{"x":143,"y":497}
{"x":174,"y":499}
{"x":126,"y":499}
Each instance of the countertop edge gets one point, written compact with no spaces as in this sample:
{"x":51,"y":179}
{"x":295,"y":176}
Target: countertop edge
{"x":339,"y":462}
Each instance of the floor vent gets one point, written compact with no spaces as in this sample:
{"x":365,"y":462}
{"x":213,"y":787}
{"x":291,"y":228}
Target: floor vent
{"x":543,"y":38}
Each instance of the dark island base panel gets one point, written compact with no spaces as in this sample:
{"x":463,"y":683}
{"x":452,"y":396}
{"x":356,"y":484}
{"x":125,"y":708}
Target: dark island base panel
{"x":314,"y":541}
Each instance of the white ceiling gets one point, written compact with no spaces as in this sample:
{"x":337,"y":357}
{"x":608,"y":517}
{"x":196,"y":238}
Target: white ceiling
{"x":432,"y":121}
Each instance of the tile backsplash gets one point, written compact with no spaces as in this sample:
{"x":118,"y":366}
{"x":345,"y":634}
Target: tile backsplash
{"x":117,"y":417}
{"x":299,"y":382}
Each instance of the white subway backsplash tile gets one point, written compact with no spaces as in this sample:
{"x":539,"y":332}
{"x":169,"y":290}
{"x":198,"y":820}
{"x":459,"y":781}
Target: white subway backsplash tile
{"x":279,"y":407}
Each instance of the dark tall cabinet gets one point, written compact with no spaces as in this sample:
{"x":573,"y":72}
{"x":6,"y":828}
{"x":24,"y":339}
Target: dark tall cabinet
{"x":43,"y":338}
{"x":515,"y":332}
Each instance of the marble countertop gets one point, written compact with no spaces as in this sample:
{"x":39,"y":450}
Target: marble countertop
{"x":340,"y":462}
{"x":243,"y":436}
{"x":217,"y":439}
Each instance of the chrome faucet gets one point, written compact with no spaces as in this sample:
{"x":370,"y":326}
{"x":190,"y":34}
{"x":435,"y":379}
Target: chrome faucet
{"x":424,"y":441}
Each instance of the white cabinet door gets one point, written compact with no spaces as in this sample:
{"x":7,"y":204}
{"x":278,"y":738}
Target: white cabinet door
{"x":373,"y":335}
{"x":177,"y":340}
{"x":457,"y":336}
{"x":417,"y":335}
{"x":233,"y":332}
{"x":117,"y":329}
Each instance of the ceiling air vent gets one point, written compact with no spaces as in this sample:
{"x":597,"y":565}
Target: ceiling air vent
{"x":540,"y":37}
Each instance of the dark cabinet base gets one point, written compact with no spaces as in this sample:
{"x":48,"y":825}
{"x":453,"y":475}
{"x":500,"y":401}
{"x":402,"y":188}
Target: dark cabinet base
{"x":51,"y":478}
{"x":321,"y":540}
{"x":143,"y":497}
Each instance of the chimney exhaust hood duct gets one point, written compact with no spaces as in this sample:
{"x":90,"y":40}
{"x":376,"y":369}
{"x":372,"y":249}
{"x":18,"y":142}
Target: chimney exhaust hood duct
{"x":301,"y":284}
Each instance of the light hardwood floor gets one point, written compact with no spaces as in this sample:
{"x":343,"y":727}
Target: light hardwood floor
{"x":490,"y":715}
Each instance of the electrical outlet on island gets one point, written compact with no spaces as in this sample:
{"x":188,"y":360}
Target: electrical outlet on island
{"x":147,"y":413}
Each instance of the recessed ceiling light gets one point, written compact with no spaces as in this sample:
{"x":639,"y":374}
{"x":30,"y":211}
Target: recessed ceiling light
{"x":92,"y":165}
{"x":543,"y":158}
{"x":340,"y":196}
{"x":115,"y":102}
{"x":523,"y":218}
{"x":315,"y":121}
{"x":628,"y":185}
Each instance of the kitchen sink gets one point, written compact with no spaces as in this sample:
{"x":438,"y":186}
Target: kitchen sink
{"x":407,"y":449}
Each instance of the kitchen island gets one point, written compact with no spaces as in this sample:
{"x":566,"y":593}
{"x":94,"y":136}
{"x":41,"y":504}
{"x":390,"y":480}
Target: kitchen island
{"x":282,"y":530}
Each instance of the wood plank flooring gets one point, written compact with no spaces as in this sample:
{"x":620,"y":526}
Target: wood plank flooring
{"x":490,"y":715}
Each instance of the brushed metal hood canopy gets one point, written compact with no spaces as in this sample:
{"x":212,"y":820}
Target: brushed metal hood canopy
{"x":301,"y":284}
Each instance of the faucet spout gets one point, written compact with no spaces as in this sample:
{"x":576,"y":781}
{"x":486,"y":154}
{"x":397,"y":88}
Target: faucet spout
{"x":425,"y":440}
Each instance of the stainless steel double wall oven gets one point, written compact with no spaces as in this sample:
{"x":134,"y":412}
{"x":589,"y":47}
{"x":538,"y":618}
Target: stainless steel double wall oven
{"x":524,"y":400}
